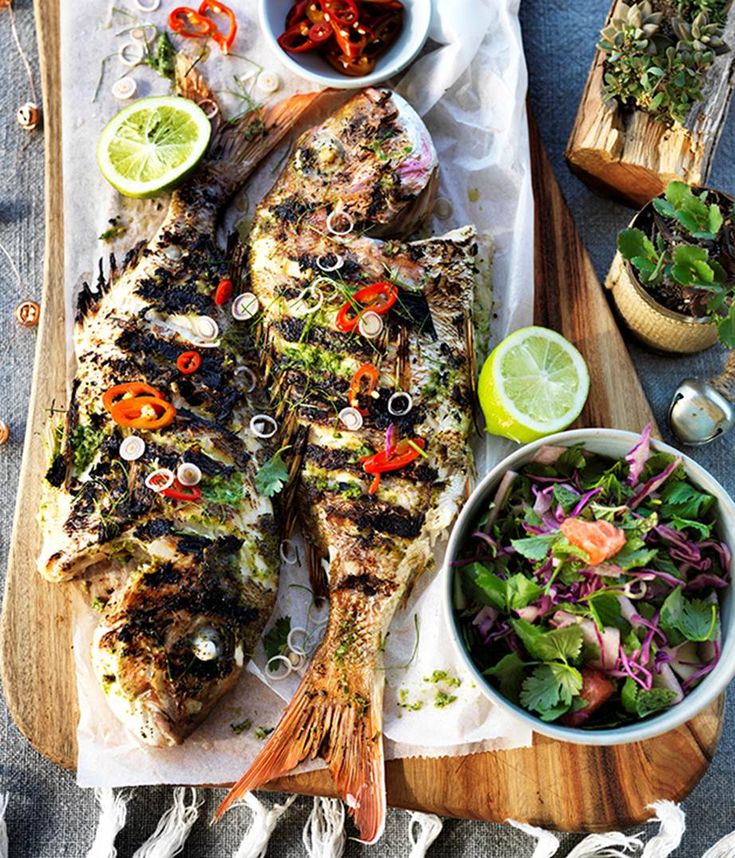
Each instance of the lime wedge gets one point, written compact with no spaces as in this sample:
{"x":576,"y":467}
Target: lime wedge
{"x":534,"y":383}
{"x":153,"y":144}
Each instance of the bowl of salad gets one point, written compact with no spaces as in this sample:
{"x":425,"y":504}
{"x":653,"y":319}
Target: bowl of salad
{"x":588,"y":586}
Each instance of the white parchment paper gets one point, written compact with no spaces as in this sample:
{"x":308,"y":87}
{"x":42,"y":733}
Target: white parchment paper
{"x":470,"y":86}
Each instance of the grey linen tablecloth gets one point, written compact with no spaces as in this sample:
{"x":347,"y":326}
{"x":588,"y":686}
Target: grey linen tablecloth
{"x":49,"y":817}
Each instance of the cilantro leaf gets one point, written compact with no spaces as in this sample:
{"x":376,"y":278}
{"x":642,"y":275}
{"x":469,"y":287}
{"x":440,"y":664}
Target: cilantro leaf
{"x":680,"y":498}
{"x":509,"y":673}
{"x":695,"y":619}
{"x":484,"y":586}
{"x":535,"y":547}
{"x":562,"y":644}
{"x":550,"y":688}
{"x":704,"y":530}
{"x":275,"y":640}
{"x":565,"y":496}
{"x":634,"y":558}
{"x":272,"y":476}
{"x":629,"y":695}
{"x":521,"y":591}
{"x":604,"y":608}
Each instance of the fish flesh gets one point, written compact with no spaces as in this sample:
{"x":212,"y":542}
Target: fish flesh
{"x":373,"y":496}
{"x":183,"y":582}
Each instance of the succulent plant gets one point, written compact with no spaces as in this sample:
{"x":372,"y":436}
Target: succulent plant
{"x":658,"y":53}
{"x":699,"y":35}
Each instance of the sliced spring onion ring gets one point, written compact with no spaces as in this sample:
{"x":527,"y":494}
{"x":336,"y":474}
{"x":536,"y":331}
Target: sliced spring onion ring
{"x":370,"y":325}
{"x":289,"y":552}
{"x":333,"y":223}
{"x":148,"y":5}
{"x":206,"y":329}
{"x":297,"y":640}
{"x":279,"y":667}
{"x":351,"y":418}
{"x":635,"y":589}
{"x":268,"y":82}
{"x":443,"y":208}
{"x":188,"y":474}
{"x":132,"y":448}
{"x":299,"y":306}
{"x":245,"y":307}
{"x":400,"y":403}
{"x":250,"y":375}
{"x":131,"y":53}
{"x":258,"y":421}
{"x":326,"y":266}
{"x":210,"y":107}
{"x":160,"y":480}
{"x":124,"y":88}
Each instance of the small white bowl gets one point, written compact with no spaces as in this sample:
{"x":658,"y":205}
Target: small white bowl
{"x":613,"y":443}
{"x":313,"y":67}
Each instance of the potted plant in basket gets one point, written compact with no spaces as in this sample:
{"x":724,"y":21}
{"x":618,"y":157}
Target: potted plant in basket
{"x":673,"y":277}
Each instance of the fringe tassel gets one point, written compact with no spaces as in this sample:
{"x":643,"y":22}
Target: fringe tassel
{"x":113,"y":812}
{"x":429,"y":828}
{"x":4,"y":799}
{"x":724,"y":848}
{"x":547,"y":843}
{"x":599,"y":845}
{"x":173,"y":827}
{"x":257,"y":837}
{"x":324,"y":832}
{"x":673,"y":825}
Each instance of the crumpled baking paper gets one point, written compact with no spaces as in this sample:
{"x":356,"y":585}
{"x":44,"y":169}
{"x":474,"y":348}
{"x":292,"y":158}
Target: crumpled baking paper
{"x":469,"y":85}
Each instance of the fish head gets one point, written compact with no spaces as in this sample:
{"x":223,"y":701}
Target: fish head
{"x":170,"y":645}
{"x":372,"y":161}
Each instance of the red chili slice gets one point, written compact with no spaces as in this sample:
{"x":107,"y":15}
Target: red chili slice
{"x":223,"y":292}
{"x":351,"y":67}
{"x":352,"y":41}
{"x":314,"y":11}
{"x":321,"y":32}
{"x":189,"y":23}
{"x":182,"y":493}
{"x":296,"y":13}
{"x":189,"y":362}
{"x":342,"y":12}
{"x":378,"y":298}
{"x":296,"y":39}
{"x":380,"y":463}
{"x":214,"y":7}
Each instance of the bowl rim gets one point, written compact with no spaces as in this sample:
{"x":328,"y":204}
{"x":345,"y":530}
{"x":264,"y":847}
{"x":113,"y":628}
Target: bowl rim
{"x":710,"y":687}
{"x":334,"y":79}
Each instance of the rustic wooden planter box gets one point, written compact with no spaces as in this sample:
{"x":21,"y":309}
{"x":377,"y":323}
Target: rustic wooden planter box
{"x":631,"y":156}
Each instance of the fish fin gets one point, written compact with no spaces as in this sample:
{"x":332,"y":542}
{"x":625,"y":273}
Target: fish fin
{"x":239,"y":145}
{"x":317,"y":575}
{"x":336,"y":713}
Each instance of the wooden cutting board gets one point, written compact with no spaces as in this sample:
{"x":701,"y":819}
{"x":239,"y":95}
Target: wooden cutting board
{"x":551,"y":783}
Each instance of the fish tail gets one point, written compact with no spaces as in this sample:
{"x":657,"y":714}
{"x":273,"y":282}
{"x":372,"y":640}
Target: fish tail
{"x":336,"y":713}
{"x":239,"y":145}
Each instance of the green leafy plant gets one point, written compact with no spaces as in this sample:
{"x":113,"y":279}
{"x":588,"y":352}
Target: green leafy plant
{"x":657,"y":56}
{"x":686,"y":261}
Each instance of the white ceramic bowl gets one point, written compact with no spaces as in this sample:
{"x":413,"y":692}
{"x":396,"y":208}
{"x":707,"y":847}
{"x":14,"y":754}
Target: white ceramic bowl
{"x":314,"y":67}
{"x":615,"y":444}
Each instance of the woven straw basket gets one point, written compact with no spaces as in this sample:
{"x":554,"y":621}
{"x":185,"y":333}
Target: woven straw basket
{"x":653,"y":324}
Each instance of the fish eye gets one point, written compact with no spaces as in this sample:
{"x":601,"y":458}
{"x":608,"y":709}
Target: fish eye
{"x":206,"y":644}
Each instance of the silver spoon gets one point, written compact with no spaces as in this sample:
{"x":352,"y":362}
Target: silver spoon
{"x":703,"y":410}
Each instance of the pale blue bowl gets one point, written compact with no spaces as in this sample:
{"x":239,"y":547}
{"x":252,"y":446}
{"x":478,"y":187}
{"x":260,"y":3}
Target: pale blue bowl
{"x":615,"y":444}
{"x":313,"y":67}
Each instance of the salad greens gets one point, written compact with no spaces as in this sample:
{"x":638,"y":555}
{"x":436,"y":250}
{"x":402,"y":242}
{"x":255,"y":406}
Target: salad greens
{"x":588,"y":593}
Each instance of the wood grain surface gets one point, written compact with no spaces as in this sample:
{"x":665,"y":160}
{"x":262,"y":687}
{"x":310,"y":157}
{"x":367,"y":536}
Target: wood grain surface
{"x":551,"y":783}
{"x":631,"y":156}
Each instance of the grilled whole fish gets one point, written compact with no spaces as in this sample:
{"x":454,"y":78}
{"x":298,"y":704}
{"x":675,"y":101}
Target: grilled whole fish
{"x":371,"y":165}
{"x":183,"y":586}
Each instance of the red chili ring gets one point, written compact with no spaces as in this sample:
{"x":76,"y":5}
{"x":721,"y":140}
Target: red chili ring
{"x":189,"y":362}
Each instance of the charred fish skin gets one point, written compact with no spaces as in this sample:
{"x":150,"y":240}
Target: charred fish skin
{"x":377,"y":538}
{"x":184,"y":587}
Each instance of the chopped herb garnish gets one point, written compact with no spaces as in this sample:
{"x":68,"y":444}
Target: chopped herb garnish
{"x":275,"y":642}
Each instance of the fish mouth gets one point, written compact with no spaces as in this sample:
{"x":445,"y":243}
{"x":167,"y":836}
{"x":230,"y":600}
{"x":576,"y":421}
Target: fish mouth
{"x":157,"y":727}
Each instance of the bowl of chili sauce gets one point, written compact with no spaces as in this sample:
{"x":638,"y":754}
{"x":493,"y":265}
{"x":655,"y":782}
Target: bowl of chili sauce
{"x":346,"y":44}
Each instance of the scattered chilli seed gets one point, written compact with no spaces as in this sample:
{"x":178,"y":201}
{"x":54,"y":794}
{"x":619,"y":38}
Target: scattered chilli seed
{"x":132,"y":448}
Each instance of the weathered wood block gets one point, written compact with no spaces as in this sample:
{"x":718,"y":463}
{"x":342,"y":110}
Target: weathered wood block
{"x":630,"y":155}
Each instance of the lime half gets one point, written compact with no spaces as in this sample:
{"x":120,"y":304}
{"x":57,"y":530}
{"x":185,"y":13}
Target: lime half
{"x":152,"y":144}
{"x":534,"y":383}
